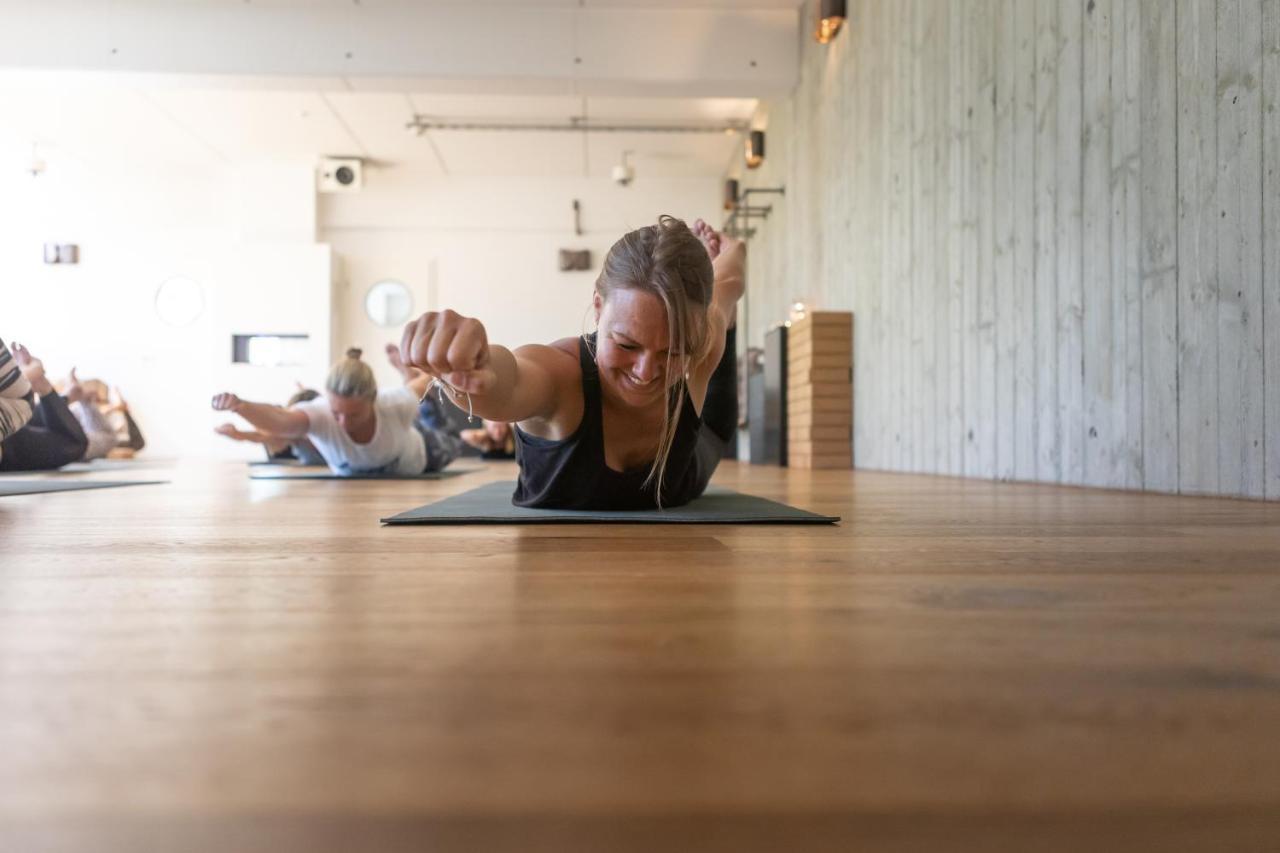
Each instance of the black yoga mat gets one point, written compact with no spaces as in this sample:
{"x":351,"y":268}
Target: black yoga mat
{"x":35,"y":487}
{"x":491,"y":504}
{"x":107,"y":465}
{"x":299,"y":472}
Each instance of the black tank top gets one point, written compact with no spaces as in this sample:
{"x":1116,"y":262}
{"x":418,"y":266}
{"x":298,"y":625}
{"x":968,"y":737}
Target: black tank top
{"x":572,"y":474}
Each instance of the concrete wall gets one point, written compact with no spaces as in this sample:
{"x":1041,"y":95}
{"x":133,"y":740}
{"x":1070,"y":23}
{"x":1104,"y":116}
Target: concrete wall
{"x":1055,"y":223}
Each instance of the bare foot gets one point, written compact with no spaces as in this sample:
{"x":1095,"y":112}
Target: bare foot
{"x":709,"y":236}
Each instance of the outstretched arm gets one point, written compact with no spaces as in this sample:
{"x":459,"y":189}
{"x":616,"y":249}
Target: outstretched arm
{"x":277,"y":420}
{"x":503,"y":385}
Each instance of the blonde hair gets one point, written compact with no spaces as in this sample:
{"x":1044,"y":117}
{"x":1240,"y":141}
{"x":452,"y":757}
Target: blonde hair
{"x":351,"y":377}
{"x":668,"y":261}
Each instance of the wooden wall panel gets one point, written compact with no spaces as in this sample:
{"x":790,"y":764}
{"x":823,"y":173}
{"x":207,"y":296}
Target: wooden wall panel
{"x":1162,"y":246}
{"x":1006,"y":174}
{"x":1053,"y":222}
{"x":1271,"y":244}
{"x":1024,"y":245}
{"x":1239,"y":247}
{"x":1100,"y":350}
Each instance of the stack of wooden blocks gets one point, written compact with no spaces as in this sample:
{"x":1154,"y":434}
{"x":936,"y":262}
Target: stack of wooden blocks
{"x":820,"y":391}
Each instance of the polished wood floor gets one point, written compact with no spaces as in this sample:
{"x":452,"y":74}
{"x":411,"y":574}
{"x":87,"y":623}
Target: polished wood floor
{"x":219,"y":665}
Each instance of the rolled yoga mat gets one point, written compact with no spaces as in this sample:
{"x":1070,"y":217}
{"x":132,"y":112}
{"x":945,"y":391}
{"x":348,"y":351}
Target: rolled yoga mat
{"x":491,"y":504}
{"x":300,"y":472}
{"x":35,"y":487}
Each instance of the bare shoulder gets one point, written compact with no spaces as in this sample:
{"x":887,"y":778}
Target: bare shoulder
{"x":558,"y":363}
{"x":559,"y":359}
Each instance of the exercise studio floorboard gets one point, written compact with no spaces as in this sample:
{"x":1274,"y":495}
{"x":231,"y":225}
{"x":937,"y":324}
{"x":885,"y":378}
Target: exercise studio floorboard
{"x":226,"y":664}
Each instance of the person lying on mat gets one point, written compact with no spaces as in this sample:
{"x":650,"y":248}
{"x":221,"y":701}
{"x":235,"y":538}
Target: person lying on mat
{"x":494,"y":440}
{"x":54,"y":437}
{"x":635,"y":415}
{"x":279,"y":449}
{"x":85,"y":403}
{"x":357,"y":428}
{"x":17,"y":400}
{"x":115,"y":411}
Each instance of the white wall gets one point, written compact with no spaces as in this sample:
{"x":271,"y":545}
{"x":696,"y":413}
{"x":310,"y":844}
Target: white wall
{"x":137,"y":226}
{"x":487,"y":248}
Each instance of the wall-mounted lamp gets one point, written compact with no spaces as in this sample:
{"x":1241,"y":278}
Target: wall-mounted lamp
{"x":755,"y":149}
{"x":730,"y":194}
{"x":830,"y":17}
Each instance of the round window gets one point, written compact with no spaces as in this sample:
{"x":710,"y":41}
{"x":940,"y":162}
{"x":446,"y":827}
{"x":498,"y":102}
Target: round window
{"x":388,"y":303}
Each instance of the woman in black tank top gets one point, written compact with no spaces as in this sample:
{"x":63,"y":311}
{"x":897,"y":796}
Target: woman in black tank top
{"x":634,"y":416}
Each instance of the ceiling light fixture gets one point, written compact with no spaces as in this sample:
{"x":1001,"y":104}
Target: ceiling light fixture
{"x":730,"y":194}
{"x":830,"y":17}
{"x":755,"y":149}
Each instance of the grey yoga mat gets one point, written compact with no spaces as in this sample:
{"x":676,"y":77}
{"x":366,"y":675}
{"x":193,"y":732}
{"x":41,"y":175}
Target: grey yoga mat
{"x":491,"y":504}
{"x":299,"y":472}
{"x":35,"y":487}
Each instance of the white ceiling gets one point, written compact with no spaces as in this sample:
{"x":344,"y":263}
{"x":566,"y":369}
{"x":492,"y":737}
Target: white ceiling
{"x":210,"y":83}
{"x":98,"y":119}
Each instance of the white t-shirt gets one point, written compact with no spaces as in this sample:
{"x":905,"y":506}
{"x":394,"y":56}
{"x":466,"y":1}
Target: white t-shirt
{"x":396,"y":447}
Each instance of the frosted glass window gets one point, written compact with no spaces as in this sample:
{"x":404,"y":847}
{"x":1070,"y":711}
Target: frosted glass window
{"x":388,"y":303}
{"x":270,"y":350}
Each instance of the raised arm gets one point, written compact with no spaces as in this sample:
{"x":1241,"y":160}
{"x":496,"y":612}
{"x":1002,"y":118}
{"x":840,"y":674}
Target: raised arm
{"x":504,"y":385}
{"x":277,"y":420}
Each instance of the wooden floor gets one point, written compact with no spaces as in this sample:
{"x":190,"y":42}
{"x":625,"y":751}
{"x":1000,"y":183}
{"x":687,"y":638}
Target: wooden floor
{"x":219,"y":665}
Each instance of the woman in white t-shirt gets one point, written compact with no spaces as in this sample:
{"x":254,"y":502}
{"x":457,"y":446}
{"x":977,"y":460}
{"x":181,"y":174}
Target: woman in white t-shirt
{"x":357,"y":428}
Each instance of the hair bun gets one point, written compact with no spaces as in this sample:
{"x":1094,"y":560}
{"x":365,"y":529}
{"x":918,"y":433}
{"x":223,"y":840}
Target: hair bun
{"x":355,"y":352}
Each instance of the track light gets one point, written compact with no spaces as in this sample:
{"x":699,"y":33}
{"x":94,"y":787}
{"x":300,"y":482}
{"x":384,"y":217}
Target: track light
{"x":830,"y":17}
{"x":730,"y":194}
{"x":755,"y":149}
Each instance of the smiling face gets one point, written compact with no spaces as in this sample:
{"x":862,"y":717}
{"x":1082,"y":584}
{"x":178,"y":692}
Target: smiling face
{"x":633,"y":347}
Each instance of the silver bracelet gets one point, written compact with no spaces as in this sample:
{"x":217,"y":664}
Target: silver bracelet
{"x":440,"y":385}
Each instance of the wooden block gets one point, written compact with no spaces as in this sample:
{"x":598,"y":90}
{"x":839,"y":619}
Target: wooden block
{"x":824,"y":318}
{"x":843,"y":432}
{"x":818,"y":333}
{"x":821,"y":346}
{"x":817,"y":375}
{"x":821,"y":404}
{"x":820,"y":419}
{"x":830,"y":391}
{"x":824,"y":362}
